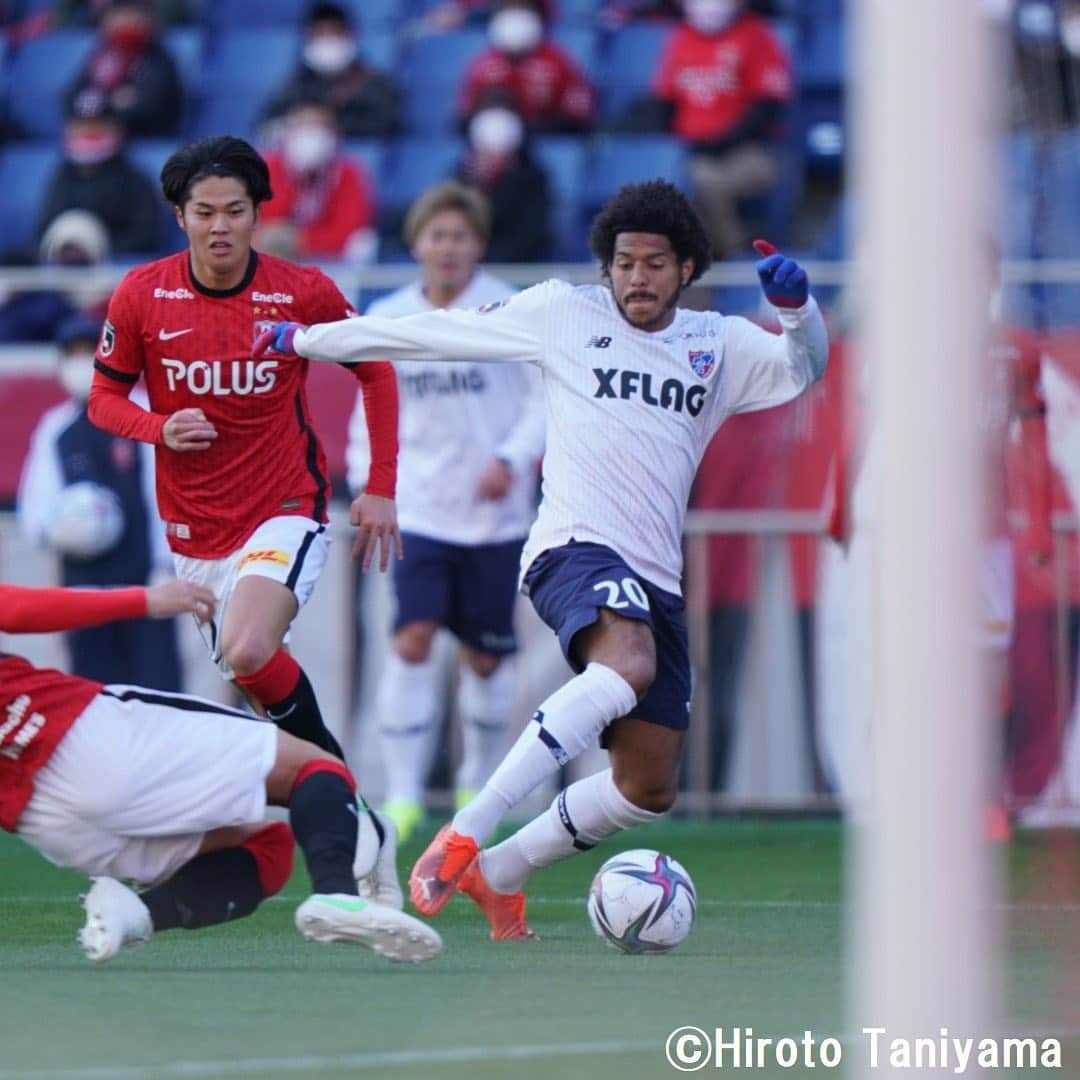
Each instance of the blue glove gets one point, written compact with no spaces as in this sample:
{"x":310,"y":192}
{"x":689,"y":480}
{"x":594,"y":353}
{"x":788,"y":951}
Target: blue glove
{"x":783,"y":280}
{"x":279,"y":339}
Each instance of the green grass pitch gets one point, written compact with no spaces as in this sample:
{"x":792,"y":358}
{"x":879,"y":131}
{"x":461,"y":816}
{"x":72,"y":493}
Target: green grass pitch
{"x":254,"y":1000}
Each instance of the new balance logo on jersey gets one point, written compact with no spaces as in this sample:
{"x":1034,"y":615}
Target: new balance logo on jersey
{"x":173,"y":294}
{"x":598,"y":343}
{"x":627,"y":385}
{"x":222,"y":377}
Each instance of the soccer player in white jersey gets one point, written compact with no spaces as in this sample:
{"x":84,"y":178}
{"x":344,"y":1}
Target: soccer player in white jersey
{"x":470,"y":438}
{"x":635,"y":388}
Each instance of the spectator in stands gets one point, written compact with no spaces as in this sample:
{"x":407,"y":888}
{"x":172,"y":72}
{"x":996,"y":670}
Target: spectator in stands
{"x":722,"y":84}
{"x":132,"y":70}
{"x":1046,"y":64}
{"x":323,"y":207}
{"x":549,"y":89}
{"x":75,"y":238}
{"x":96,"y":175}
{"x":89,"y":496}
{"x":367,"y":101}
{"x":499,"y":163}
{"x":455,"y":13}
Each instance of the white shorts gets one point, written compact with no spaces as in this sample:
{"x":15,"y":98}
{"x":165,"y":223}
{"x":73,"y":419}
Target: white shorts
{"x":996,"y":594}
{"x":291,"y":550}
{"x":141,"y":777}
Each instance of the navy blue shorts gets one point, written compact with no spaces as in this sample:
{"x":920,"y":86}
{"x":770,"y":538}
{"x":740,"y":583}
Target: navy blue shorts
{"x":569,"y":585}
{"x":469,"y":590}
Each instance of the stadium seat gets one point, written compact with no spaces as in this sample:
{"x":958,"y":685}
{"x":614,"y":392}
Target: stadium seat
{"x":40,"y":75}
{"x":580,"y":43}
{"x":577,"y":12}
{"x":410,"y":166}
{"x":377,"y":14}
{"x":563,"y":159}
{"x":434,"y":69}
{"x":150,"y":155}
{"x":371,"y":153}
{"x":185,"y":46}
{"x":25,"y":172}
{"x":618,"y":160}
{"x":819,"y":130}
{"x":245,"y":71}
{"x":379,"y":48}
{"x":627,"y":70}
{"x":241,"y":14}
{"x":820,"y":56}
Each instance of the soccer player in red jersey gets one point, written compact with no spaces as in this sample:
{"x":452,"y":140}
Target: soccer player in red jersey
{"x":241,"y":476}
{"x":180,"y":810}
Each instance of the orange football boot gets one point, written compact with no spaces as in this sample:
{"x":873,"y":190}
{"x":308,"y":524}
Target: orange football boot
{"x":434,"y":878}
{"x":505,"y":911}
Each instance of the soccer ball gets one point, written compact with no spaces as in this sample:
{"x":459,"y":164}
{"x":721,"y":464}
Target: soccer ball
{"x":87,"y":521}
{"x":642,"y":901}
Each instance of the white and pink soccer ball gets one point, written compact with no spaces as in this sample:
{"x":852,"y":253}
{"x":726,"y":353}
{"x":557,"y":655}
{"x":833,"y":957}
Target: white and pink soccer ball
{"x":642,"y":901}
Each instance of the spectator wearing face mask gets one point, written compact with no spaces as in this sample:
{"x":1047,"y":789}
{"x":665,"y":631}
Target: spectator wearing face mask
{"x":499,"y":164}
{"x":549,"y":90}
{"x":455,"y":13}
{"x":89,"y":497}
{"x":132,"y":71}
{"x":96,"y":175}
{"x":367,"y":102}
{"x":723,"y":83}
{"x":322,"y":207}
{"x":75,"y":238}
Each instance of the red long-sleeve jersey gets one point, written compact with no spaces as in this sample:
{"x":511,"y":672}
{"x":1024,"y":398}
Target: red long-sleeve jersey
{"x":37,"y":705}
{"x":192,"y":345}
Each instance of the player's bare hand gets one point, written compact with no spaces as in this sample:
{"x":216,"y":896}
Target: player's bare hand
{"x":495,"y":480}
{"x":376,"y":522}
{"x":187,"y":430}
{"x":178,"y":597}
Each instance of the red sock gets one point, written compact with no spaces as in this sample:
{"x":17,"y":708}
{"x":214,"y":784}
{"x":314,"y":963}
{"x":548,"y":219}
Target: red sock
{"x":272,"y":849}
{"x":274,"y":681}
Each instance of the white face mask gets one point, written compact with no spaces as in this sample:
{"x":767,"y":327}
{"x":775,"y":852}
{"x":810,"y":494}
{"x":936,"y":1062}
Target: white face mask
{"x":329,"y":54}
{"x":76,"y":374}
{"x":308,"y":147}
{"x":496,"y":131}
{"x":515,"y":30}
{"x":709,"y":16}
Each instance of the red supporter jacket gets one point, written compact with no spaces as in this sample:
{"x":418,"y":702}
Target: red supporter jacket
{"x":344,"y":205}
{"x":546,"y":83}
{"x":38,"y":706}
{"x":192,"y":345}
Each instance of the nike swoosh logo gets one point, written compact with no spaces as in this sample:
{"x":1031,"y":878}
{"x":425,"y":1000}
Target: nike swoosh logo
{"x":164,"y":335}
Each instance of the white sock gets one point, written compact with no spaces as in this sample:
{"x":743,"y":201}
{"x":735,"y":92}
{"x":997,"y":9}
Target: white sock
{"x":580,"y":817}
{"x":564,"y":725}
{"x":483,"y":705}
{"x":407,"y":705}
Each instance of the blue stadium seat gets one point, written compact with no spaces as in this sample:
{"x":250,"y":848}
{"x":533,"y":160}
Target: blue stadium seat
{"x":577,"y":12}
{"x":185,"y":46}
{"x":25,"y":172}
{"x":40,"y":75}
{"x":627,"y":71}
{"x":244,"y":72}
{"x":819,"y":130}
{"x":563,"y":159}
{"x":415,"y":164}
{"x":371,"y":153}
{"x":580,"y":43}
{"x":379,"y":48}
{"x":821,"y":57}
{"x":377,"y":14}
{"x":242,"y":14}
{"x":434,"y":69}
{"x":150,"y":155}
{"x":618,"y":160}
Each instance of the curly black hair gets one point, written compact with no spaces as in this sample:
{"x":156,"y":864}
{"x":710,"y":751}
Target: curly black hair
{"x":219,"y":155}
{"x":655,"y":206}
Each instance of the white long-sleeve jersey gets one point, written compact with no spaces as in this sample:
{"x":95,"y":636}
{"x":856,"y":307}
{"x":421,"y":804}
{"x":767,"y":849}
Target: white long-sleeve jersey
{"x":629,"y":413}
{"x":456,"y":417}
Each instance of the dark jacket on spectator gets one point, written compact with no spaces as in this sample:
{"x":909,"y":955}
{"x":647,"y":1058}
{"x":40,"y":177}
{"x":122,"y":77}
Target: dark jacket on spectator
{"x":118,"y":193}
{"x":367,"y":102}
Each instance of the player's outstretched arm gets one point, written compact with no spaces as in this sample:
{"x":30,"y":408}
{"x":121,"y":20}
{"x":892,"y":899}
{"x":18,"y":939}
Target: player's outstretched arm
{"x":512,"y":332}
{"x":39,"y":611}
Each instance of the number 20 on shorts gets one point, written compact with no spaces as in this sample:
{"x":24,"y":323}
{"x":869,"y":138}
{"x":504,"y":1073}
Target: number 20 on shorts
{"x":622,"y":595}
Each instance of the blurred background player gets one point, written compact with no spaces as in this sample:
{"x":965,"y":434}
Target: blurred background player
{"x":89,"y":496}
{"x":471,"y":438}
{"x":633,"y":394}
{"x":181,"y":810}
{"x":241,"y":476}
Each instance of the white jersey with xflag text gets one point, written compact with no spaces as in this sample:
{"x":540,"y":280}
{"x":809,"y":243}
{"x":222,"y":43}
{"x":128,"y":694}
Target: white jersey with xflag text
{"x":629,"y":413}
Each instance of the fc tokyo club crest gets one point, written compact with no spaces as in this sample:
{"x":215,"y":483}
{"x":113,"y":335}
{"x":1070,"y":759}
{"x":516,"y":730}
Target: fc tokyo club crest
{"x":702,"y":362}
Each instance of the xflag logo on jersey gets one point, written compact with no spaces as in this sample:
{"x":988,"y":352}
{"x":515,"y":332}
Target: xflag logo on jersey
{"x":702,"y":362}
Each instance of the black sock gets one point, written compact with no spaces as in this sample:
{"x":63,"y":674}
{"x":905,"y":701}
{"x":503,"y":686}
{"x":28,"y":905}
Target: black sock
{"x":213,"y":888}
{"x":323,"y":815}
{"x":299,"y":715}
